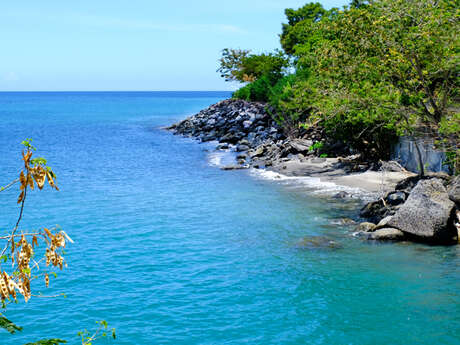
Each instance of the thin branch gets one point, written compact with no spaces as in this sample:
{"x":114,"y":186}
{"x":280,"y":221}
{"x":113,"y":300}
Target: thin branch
{"x":9,"y":185}
{"x":20,"y":215}
{"x":20,"y":235}
{"x":46,"y":296}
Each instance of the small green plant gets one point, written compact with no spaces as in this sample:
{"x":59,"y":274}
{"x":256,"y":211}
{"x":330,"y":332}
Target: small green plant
{"x":316,"y":146}
{"x":323,"y":155}
{"x":102,"y":331}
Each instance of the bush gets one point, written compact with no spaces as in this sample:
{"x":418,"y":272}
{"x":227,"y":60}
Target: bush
{"x":257,"y":91}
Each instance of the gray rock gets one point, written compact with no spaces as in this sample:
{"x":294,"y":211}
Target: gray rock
{"x":241,"y":148}
{"x":386,"y":234}
{"x":233,"y":167}
{"x":258,"y":152}
{"x":301,"y":145}
{"x":383,"y":223}
{"x":454,"y":190}
{"x":247,"y":124}
{"x":341,"y":195}
{"x":427,"y":213}
{"x":366,"y":227}
{"x":392,"y":166}
{"x":222,"y":146}
{"x":208,"y":137}
{"x":396,"y":198}
{"x":230,"y":138}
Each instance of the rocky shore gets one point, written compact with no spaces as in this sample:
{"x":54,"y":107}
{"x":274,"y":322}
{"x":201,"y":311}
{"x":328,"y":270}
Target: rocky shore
{"x":408,"y":208}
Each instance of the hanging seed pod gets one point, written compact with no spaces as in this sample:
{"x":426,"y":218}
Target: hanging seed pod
{"x":4,"y":287}
{"x":47,"y":280}
{"x":10,"y":285}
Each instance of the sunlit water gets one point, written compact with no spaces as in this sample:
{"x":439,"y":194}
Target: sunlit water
{"x":169,"y":249}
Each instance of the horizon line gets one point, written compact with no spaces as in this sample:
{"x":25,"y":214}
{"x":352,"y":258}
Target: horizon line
{"x":4,"y":91}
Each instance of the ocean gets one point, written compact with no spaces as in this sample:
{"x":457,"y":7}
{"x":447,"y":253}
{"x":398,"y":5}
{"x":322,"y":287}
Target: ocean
{"x":169,"y":249}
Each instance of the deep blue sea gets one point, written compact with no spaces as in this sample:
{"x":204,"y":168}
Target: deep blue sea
{"x":169,"y":249}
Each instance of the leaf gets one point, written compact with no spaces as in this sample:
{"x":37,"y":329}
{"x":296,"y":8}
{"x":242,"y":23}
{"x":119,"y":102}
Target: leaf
{"x":34,"y":241}
{"x":9,"y":325}
{"x":54,"y":341}
{"x":48,"y":233}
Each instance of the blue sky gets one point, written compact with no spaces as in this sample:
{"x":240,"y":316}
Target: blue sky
{"x":131,"y":45}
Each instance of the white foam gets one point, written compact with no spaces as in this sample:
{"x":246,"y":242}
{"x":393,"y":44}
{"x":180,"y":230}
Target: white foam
{"x":215,"y":159}
{"x":221,"y":158}
{"x":313,"y":184}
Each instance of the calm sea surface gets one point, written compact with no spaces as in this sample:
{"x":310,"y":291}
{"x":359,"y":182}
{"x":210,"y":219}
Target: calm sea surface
{"x":169,"y":249}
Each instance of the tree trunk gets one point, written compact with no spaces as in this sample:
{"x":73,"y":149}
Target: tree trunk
{"x":420,"y":160}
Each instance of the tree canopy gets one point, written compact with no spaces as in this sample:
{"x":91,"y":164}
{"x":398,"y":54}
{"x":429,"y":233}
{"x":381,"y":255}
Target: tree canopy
{"x":371,"y":71}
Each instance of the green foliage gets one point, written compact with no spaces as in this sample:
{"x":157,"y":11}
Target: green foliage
{"x":316,"y":146}
{"x":358,"y":3}
{"x":240,"y":65}
{"x":257,"y":91}
{"x":231,"y":63}
{"x":102,"y":331}
{"x":300,"y":26}
{"x":28,"y":144}
{"x":367,"y":73}
{"x":9,"y":325}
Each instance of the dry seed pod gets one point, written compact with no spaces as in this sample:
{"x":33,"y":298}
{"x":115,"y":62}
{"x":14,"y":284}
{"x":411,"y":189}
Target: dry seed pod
{"x":47,"y":280}
{"x":4,"y":287}
{"x":22,"y":179}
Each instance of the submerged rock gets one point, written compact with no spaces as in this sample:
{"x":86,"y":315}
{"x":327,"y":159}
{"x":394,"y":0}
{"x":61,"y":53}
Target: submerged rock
{"x":317,"y":242}
{"x":366,"y":227}
{"x":387,"y":234}
{"x":341,"y":195}
{"x":234,"y":167}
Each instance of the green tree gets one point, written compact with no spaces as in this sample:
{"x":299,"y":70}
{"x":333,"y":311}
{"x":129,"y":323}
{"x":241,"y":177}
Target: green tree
{"x":300,"y":27}
{"x":241,"y":65}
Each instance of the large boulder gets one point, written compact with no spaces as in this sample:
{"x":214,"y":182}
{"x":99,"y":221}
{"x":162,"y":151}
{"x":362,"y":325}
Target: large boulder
{"x":301,"y":145}
{"x":427,"y":213}
{"x":454,"y":190}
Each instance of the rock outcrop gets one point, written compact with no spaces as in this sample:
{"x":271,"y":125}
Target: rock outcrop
{"x":248,"y":128}
{"x":427,"y":214}
{"x":454,"y":190}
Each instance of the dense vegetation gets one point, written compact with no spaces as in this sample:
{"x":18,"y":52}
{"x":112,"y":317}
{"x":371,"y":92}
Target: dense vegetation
{"x":366,"y":73}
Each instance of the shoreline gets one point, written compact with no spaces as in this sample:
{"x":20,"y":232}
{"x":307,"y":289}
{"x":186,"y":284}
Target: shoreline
{"x":406,"y":206}
{"x":323,"y":168}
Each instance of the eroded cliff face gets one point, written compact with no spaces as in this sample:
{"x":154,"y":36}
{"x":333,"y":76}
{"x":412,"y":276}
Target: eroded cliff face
{"x":405,"y":153}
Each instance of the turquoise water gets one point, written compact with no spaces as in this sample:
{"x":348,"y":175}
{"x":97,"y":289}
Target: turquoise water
{"x":169,"y":249}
